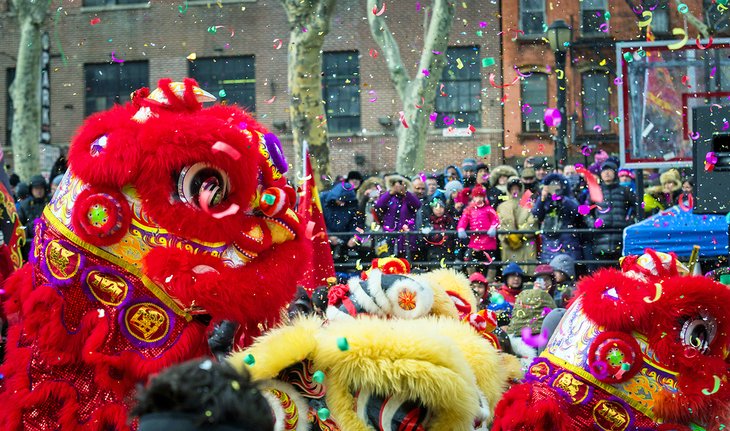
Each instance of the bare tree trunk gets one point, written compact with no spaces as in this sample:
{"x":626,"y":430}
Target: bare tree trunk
{"x":417,"y":94}
{"x":25,"y":90}
{"x":309,"y":24}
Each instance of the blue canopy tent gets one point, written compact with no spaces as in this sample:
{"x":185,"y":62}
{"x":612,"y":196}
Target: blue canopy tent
{"x":676,"y":230}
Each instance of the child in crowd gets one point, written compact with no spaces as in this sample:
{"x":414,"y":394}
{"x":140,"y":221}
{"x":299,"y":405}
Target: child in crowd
{"x":512,"y":275}
{"x":531,"y":307}
{"x":544,"y":279}
{"x":479,"y":215}
{"x":478,"y":284}
{"x":440,"y":245}
{"x":564,"y":276}
{"x":202,"y":395}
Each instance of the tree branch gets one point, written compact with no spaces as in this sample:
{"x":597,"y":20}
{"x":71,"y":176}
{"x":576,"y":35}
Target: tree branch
{"x":437,"y":40}
{"x":385,"y":40}
{"x":696,"y":23}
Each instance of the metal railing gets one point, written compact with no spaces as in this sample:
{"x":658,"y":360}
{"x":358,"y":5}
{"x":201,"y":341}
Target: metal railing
{"x":374,"y":237}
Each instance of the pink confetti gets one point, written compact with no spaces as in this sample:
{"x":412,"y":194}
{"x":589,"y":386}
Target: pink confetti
{"x":436,"y":52}
{"x":449,"y":121}
{"x":433,"y":116}
{"x":375,"y":96}
{"x":380,"y":12}
{"x":694,"y":136}
{"x":534,"y":340}
{"x":725,"y":125}
{"x":403,"y":119}
{"x":418,"y":6}
{"x":221,"y":146}
{"x":604,"y":211}
{"x":115,"y":59}
{"x":278,"y":43}
{"x":586,"y":151}
{"x":584,"y":210}
{"x":598,"y":223}
{"x":483,"y":24}
{"x":233,"y":209}
{"x":270,"y":101}
{"x":373,"y":53}
{"x":526,"y":108}
{"x":711,"y":158}
{"x":95,"y":21}
{"x":712,"y":72}
{"x":555,"y":249}
{"x":426,"y":72}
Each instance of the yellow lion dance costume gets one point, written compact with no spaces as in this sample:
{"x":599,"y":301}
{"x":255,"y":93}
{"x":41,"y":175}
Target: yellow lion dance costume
{"x":404,"y":359}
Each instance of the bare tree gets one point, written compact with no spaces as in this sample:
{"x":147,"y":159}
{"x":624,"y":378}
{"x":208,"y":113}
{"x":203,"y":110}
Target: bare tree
{"x":417,"y":93}
{"x":25,"y":90}
{"x":309,"y":23}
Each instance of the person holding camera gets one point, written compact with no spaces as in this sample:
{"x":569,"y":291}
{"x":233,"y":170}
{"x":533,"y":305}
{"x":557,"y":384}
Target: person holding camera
{"x":557,"y":210}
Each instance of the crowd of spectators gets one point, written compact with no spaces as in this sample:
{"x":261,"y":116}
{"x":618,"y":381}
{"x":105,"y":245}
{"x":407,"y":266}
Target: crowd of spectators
{"x":474,"y":213}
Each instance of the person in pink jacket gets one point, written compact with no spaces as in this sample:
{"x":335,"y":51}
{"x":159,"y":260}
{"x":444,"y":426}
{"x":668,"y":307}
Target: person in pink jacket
{"x":479,"y":215}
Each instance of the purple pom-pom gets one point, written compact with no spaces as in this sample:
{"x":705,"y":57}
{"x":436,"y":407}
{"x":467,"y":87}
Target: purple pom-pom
{"x":273,"y":146}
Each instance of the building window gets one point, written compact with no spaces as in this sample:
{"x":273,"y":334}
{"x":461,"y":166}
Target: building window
{"x":532,"y":17}
{"x":592,"y":16}
{"x":659,"y":18}
{"x":235,"y":76}
{"x":596,"y":102}
{"x":112,"y":2}
{"x":458,"y":96}
{"x":107,"y":84}
{"x":715,"y":19}
{"x":341,"y":91}
{"x":534,"y":92}
{"x":9,"y":111}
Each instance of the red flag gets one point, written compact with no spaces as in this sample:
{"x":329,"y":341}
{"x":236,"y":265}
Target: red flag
{"x":322,"y":266}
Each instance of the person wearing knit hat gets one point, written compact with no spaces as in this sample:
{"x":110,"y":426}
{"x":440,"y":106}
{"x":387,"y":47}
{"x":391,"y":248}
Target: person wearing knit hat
{"x":531,"y":307}
{"x":544,"y":279}
{"x":482,"y":175}
{"x":479,"y":284}
{"x":469,"y":171}
{"x":564,"y":276}
{"x":658,"y":198}
{"x":451,"y":189}
{"x":615,"y":210}
{"x":498,"y":182}
{"x":480,"y":216}
{"x":626,"y":179}
{"x":354,"y":178}
{"x":513,"y":277}
{"x":527,"y":176}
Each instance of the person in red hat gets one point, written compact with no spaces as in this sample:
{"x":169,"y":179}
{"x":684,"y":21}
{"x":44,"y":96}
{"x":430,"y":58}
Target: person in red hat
{"x":544,"y":278}
{"x":480,"y":216}
{"x":479,"y":286}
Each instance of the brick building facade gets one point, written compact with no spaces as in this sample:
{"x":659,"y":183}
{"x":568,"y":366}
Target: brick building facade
{"x":592,"y":106}
{"x":235,"y":48}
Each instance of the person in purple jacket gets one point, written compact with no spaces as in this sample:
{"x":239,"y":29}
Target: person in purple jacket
{"x":397,"y":211}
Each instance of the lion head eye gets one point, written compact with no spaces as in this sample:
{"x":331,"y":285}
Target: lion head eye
{"x":202,"y":185}
{"x":698,"y":332}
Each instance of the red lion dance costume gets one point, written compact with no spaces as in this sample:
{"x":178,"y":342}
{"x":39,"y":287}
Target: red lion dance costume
{"x":638,"y":350}
{"x":171,"y":217}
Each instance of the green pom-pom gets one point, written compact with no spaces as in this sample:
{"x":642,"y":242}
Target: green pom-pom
{"x":249,"y":359}
{"x":323,"y":414}
{"x":269,"y":199}
{"x":342,"y":344}
{"x":625,"y":366}
{"x":318,"y":377}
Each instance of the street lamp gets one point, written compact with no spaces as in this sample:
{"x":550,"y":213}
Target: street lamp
{"x":559,"y":34}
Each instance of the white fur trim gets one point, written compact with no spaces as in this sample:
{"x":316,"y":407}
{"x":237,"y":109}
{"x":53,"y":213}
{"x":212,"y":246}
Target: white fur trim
{"x":379,"y":295}
{"x":334,"y":313}
{"x":362,"y":298}
{"x":424,"y":298}
{"x":278,"y":410}
{"x":524,"y":352}
{"x":484,"y":414}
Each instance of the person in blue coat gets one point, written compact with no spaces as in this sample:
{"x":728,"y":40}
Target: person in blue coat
{"x":342,"y":214}
{"x":556,"y":209}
